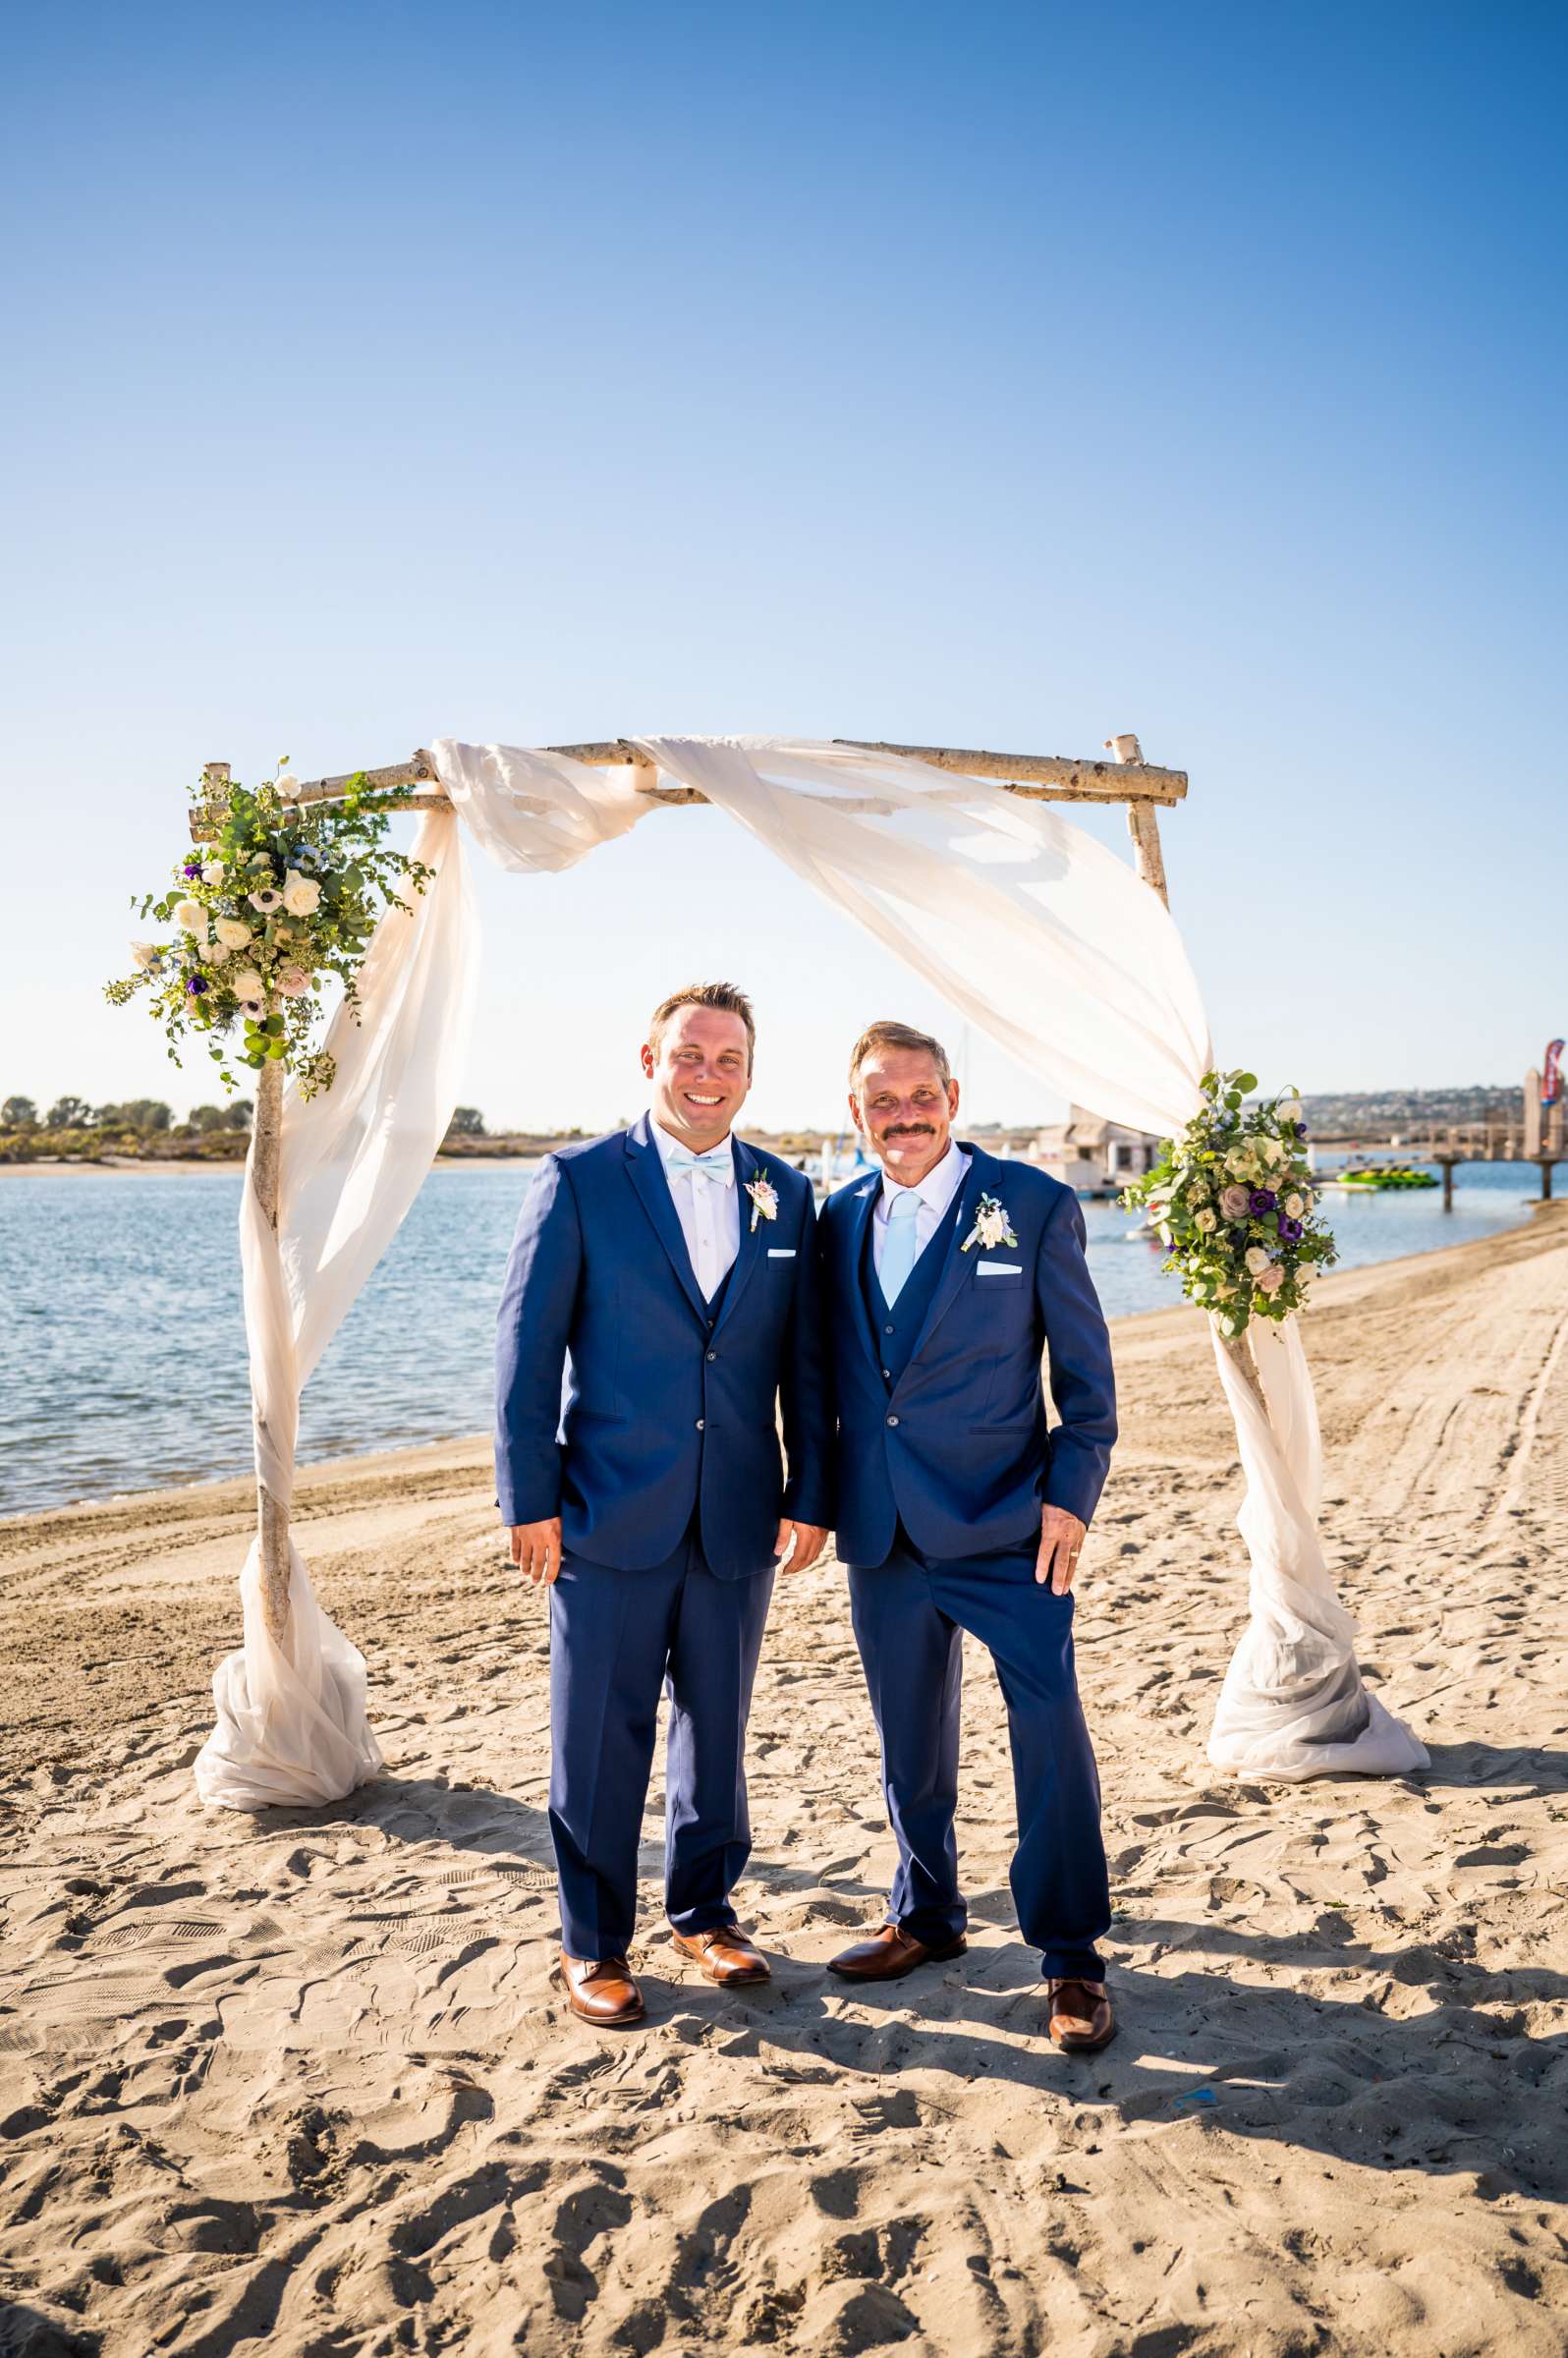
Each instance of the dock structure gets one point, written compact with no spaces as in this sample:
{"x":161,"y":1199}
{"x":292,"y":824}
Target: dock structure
{"x":1537,"y":1137}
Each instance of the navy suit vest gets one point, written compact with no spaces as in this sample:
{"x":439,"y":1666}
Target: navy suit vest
{"x":898,"y":1328}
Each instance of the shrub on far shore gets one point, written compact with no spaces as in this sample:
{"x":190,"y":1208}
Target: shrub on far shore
{"x":142,"y":1131}
{"x":121,"y":1146}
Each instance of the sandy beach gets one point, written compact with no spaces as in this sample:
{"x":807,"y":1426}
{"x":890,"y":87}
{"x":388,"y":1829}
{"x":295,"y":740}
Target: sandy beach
{"x":306,"y":2083}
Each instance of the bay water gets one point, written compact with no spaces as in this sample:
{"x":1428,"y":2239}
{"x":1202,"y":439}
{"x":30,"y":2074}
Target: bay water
{"x":121,"y":1344}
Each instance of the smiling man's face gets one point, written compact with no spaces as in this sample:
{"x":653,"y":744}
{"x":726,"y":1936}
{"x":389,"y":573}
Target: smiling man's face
{"x":702,"y":1075}
{"x":903,"y":1110}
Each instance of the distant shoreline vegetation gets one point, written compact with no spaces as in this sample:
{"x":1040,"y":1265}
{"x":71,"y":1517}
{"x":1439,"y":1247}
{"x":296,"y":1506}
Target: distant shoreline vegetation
{"x":144,"y":1130}
{"x":140,"y":1129}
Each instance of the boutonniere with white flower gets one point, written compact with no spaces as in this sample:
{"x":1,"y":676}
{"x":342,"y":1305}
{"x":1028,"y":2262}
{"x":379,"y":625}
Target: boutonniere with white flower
{"x":765,"y":1201}
{"x":991,"y":1228}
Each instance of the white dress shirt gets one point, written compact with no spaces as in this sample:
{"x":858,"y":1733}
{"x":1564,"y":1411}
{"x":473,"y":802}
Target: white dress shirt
{"x":935,"y":1192}
{"x":707,"y":1206}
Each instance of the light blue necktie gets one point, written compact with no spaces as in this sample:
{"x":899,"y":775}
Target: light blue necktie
{"x":718,"y":1163}
{"x":898,"y":1248}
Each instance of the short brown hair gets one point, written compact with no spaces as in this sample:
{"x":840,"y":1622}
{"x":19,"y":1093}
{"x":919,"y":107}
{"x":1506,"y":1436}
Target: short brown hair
{"x":727,"y":998}
{"x":898,"y":1035}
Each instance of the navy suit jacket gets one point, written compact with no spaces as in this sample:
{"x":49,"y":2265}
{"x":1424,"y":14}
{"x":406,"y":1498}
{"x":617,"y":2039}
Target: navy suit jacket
{"x":669,"y":1405}
{"x":957,"y":1446}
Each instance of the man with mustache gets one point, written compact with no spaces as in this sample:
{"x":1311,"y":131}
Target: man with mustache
{"x":670,"y":1270}
{"x":948,"y":1273}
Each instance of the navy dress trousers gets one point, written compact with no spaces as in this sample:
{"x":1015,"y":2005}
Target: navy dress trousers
{"x":945,"y":1460}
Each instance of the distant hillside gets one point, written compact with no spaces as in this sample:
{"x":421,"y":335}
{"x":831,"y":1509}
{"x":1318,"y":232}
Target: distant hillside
{"x":1372,"y":1113}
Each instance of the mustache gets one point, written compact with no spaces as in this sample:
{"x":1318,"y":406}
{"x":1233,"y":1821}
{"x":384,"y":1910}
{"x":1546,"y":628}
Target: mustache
{"x":912,"y":1130}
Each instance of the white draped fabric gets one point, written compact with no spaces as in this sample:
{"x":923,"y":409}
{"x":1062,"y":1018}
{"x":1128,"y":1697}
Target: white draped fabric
{"x":1030,"y":928}
{"x":1293,"y":1705}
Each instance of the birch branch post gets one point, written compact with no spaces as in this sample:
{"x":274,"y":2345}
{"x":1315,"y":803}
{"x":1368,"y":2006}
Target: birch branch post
{"x":262,"y":1172}
{"x":1143,"y":825}
{"x":1143,"y":821}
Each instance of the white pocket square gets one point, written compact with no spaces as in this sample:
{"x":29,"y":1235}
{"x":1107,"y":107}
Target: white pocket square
{"x":998,"y":1269}
{"x":781,"y":1251}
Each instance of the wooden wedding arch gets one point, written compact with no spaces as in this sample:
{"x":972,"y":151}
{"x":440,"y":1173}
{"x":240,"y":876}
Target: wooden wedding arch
{"x":1125,"y":778}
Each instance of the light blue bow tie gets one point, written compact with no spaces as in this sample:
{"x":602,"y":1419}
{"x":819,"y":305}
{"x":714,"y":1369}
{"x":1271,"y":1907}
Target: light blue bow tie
{"x":718,"y":1164}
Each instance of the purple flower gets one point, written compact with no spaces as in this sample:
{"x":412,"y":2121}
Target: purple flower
{"x":192,"y":868}
{"x":1262,"y":1199}
{"x":1290,"y":1230}
{"x":196,"y":984}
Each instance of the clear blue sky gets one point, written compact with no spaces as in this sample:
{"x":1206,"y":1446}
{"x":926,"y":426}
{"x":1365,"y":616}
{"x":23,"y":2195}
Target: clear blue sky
{"x":986,"y":375}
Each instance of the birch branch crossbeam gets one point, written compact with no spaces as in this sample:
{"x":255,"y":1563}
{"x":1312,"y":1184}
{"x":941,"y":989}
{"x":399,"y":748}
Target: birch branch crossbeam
{"x":1039,"y":777}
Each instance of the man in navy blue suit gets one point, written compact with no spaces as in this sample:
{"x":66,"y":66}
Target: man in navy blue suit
{"x":670,"y":1271}
{"x":948,"y":1273}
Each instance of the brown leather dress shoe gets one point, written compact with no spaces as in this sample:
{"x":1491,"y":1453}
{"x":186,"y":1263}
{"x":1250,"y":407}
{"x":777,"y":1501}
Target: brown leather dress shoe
{"x":601,"y":1990}
{"x":889,"y":1954}
{"x":725,"y":1955}
{"x":1080,"y":2017}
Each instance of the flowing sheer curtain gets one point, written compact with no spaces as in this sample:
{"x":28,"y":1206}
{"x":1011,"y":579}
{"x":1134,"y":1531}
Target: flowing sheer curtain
{"x":1030,"y":928}
{"x":291,"y":1717}
{"x":1057,"y":948}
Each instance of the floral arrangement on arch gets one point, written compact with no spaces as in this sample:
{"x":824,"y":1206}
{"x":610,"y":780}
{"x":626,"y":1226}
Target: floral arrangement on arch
{"x":285,"y":898}
{"x":1231,"y":1200}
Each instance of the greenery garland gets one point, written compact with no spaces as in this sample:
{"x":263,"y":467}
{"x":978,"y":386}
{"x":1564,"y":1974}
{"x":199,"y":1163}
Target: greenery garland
{"x":1232,"y":1201}
{"x":286,"y":896}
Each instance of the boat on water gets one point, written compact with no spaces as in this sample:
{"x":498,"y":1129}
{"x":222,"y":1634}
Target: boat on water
{"x":1380,"y":1178}
{"x":834,"y":1168}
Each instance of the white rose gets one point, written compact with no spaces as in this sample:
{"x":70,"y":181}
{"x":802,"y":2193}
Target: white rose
{"x":233,"y":931}
{"x":142,"y":954}
{"x":294,"y":983}
{"x":192,"y":915}
{"x":288,"y":785}
{"x":1294,"y":1207}
{"x":218,"y":953}
{"x":212,"y":873}
{"x":1203,"y":1220}
{"x":1256,"y":1260}
{"x":250,"y":985}
{"x":300,"y":894}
